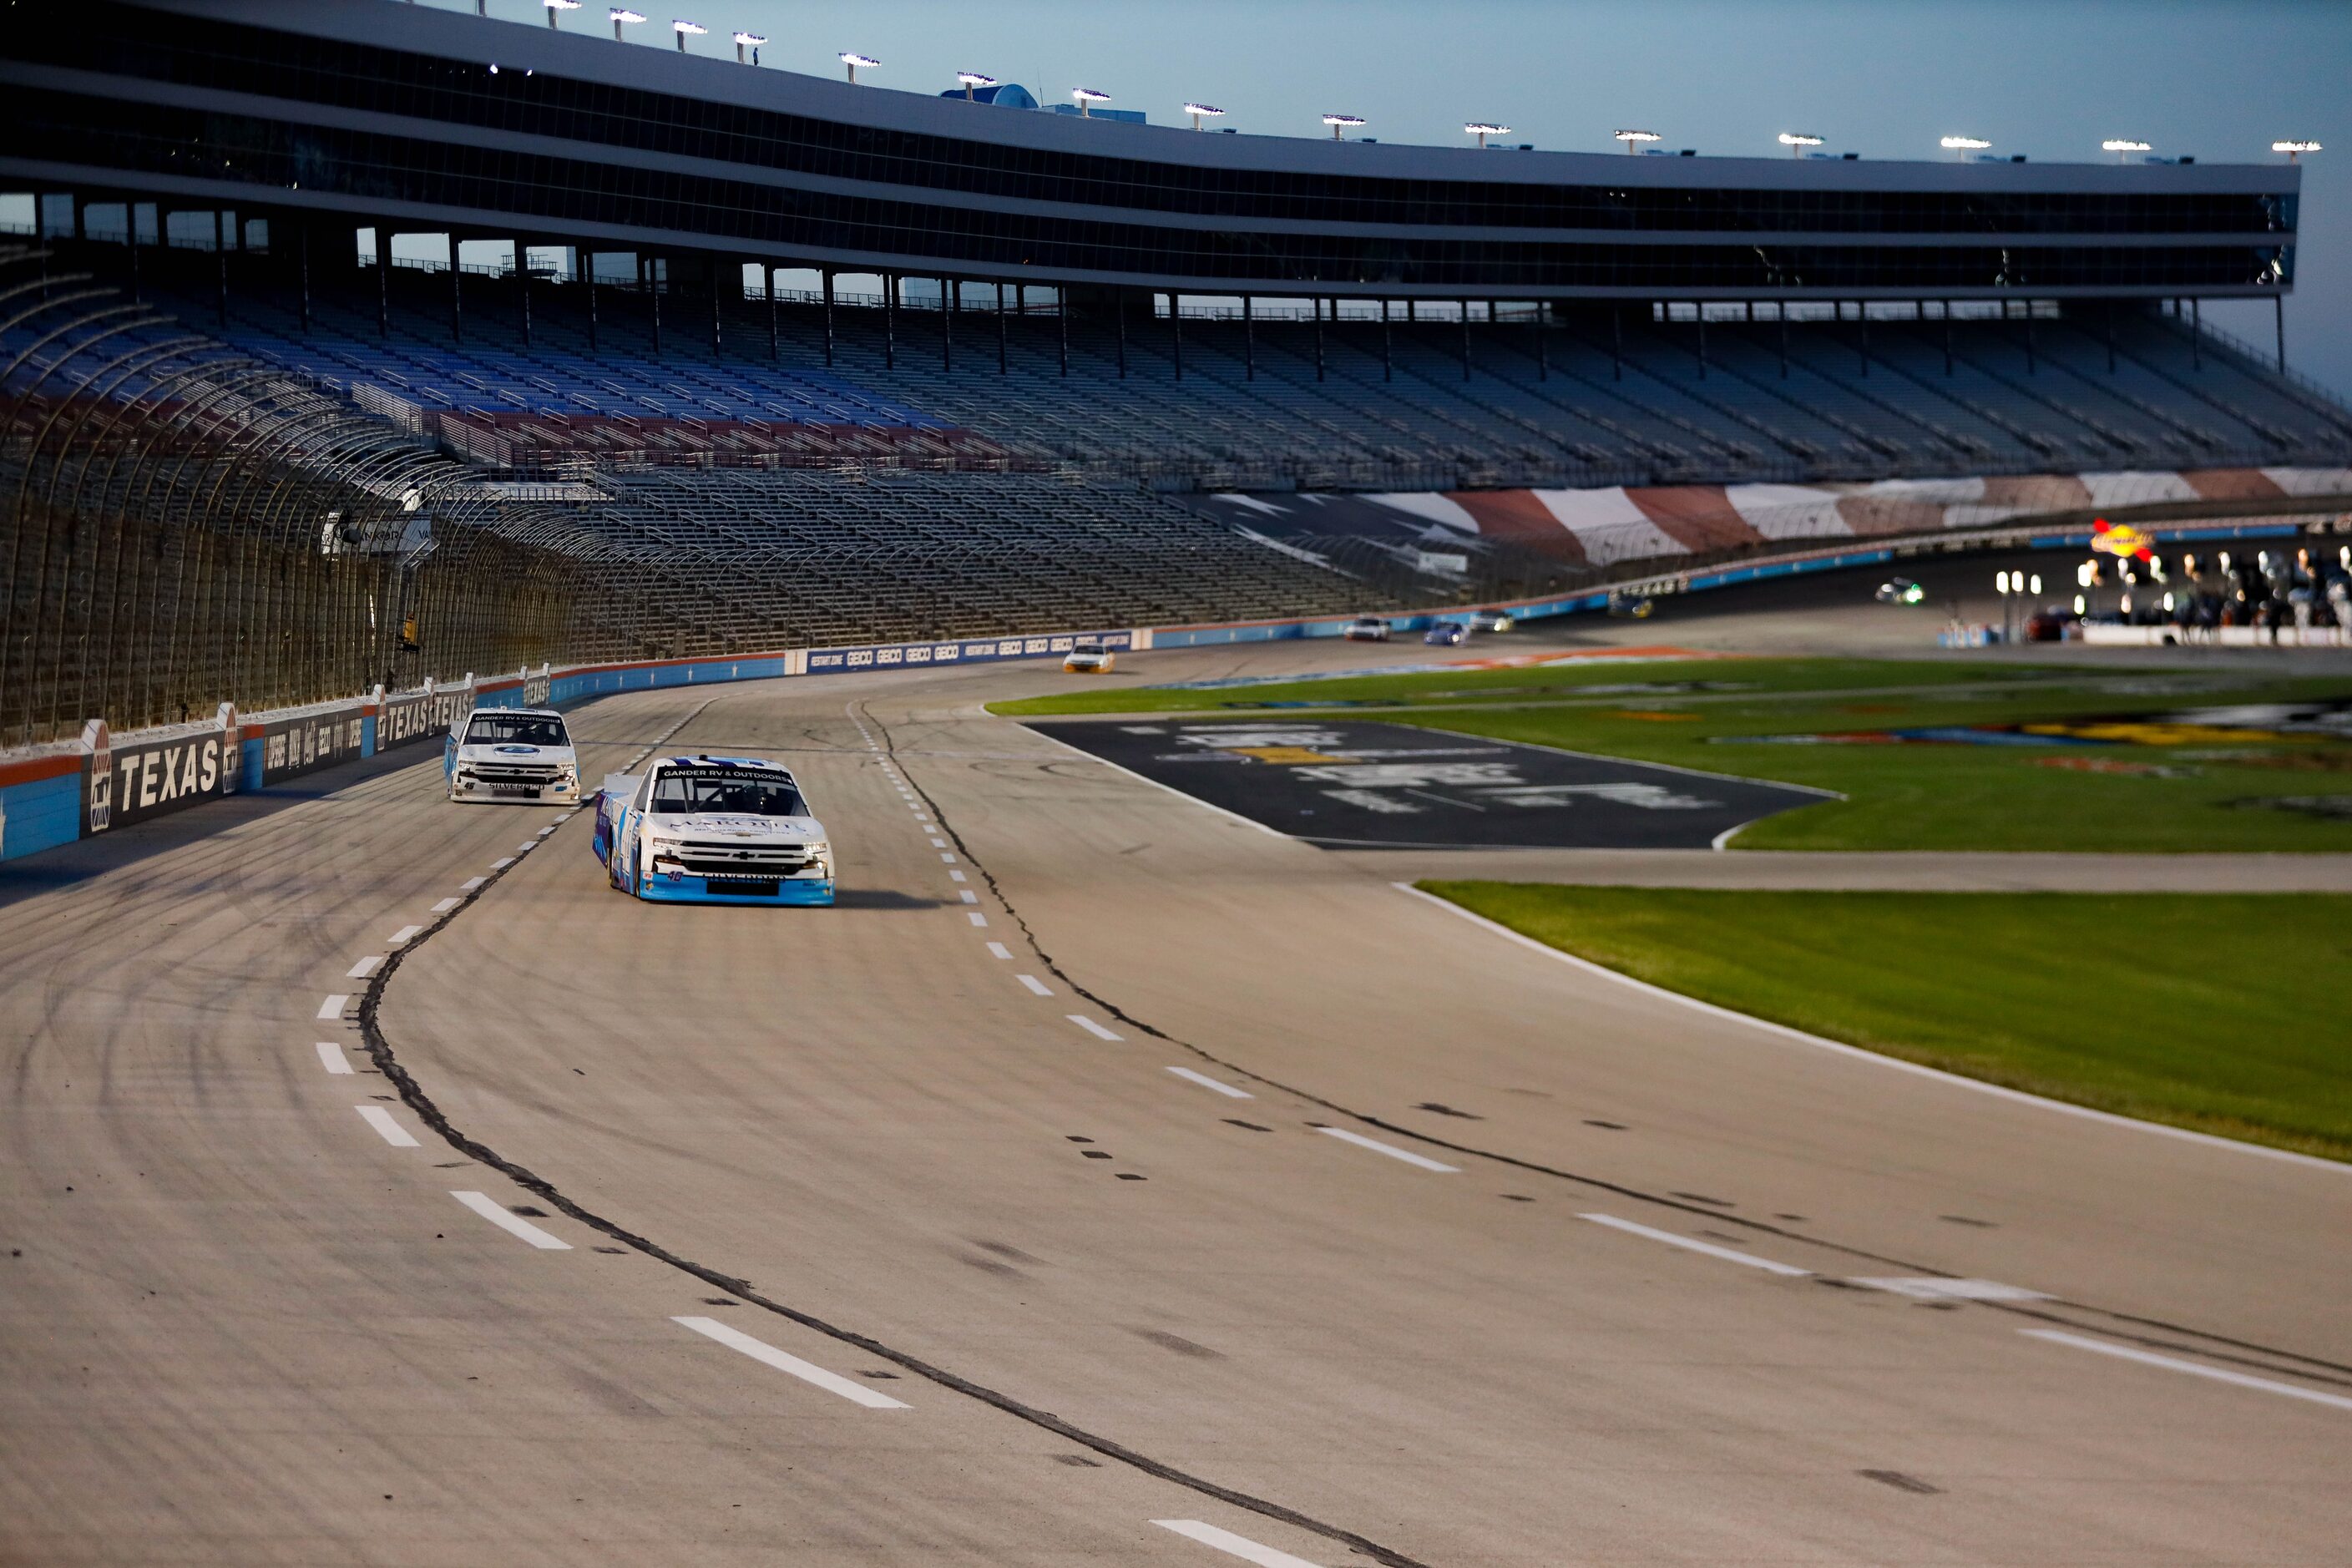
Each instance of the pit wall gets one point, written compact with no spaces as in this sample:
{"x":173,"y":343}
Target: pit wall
{"x":56,"y":795}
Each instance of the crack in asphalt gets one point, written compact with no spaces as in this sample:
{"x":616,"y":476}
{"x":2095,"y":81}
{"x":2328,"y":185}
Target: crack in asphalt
{"x":412,"y":1094}
{"x":2237,"y":1352}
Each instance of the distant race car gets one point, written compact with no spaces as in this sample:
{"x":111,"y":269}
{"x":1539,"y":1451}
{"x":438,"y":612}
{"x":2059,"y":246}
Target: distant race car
{"x":712,"y":830}
{"x":1901,"y":591}
{"x":1366,"y":629}
{"x":511,"y":753}
{"x":1088,"y":658}
{"x":1446,"y":634}
{"x":1631,"y":606}
{"x":1490,"y":621}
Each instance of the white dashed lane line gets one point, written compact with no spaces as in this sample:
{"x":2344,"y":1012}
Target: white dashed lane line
{"x":1205,"y":1081}
{"x":332,"y":1008}
{"x":976,"y":917}
{"x":502,"y":862}
{"x":1232,"y":1545}
{"x":487,"y":1207}
{"x":956,"y":876}
{"x":1390,"y":1149}
{"x":405,"y":932}
{"x":807,"y":1371}
{"x":470,"y":883}
{"x":446,"y":905}
{"x":2194,"y":1369}
{"x":364,"y":968}
{"x":331,"y":1058}
{"x":938,"y":843}
{"x":1037,"y":985}
{"x":970,"y":897}
{"x":1090,"y":1026}
{"x":526,"y":848}
{"x":1727,"y":1253}
{"x":1938,"y":1288}
{"x":1000,"y":950}
{"x":393,"y":1133}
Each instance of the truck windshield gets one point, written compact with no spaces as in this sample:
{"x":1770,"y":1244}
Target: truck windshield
{"x":516,"y":728}
{"x":728,"y":791}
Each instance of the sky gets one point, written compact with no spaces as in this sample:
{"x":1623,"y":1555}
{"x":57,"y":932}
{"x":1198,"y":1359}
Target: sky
{"x":2050,"y":78}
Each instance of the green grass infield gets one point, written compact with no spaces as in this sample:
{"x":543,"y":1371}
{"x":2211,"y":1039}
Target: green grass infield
{"x":2219,"y":1012}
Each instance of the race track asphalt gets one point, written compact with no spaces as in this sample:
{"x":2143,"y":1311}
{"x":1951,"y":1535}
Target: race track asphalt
{"x":972,"y":1276}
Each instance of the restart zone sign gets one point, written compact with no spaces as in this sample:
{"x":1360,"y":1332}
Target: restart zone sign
{"x":971,"y":650}
{"x":1363,"y":786}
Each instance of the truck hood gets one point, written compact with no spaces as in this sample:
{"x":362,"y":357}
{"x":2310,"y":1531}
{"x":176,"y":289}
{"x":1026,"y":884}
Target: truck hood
{"x":515,"y":752}
{"x":747,"y":829}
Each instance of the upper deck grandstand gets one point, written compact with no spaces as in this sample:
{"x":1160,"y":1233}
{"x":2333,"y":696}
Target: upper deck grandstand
{"x":834,"y":363}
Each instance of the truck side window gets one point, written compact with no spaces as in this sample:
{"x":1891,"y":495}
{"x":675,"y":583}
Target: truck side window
{"x":645,"y":793}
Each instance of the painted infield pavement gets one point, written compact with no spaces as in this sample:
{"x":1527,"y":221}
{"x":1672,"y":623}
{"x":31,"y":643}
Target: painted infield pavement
{"x":1357,"y":784}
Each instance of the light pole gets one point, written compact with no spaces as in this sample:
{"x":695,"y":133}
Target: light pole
{"x":556,"y":8}
{"x":971,"y":79}
{"x":1340,"y":122}
{"x":1200,"y":112}
{"x":2124,"y":146}
{"x":624,"y":18}
{"x":852,"y":59}
{"x":1961,"y":144}
{"x":2295,"y":149}
{"x":686,"y":30}
{"x":746,"y":41}
{"x":1088,"y":97}
{"x":1796,"y":142}
{"x":1636,"y":140}
{"x":1481,"y":130}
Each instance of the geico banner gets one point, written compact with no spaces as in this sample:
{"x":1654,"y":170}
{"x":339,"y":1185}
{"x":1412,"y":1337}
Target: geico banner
{"x":972,"y":650}
{"x":134,"y":781}
{"x":293,"y":746}
{"x":424,"y":716}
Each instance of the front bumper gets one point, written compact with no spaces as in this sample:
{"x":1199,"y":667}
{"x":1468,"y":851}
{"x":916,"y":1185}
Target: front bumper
{"x":482,"y":794}
{"x":684,"y":887}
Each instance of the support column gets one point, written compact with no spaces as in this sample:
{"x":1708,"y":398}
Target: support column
{"x":947,"y":323}
{"x":382,"y":277}
{"x":1176,"y":332}
{"x":456,"y":293}
{"x":588,"y":276}
{"x":768,"y":287}
{"x":522,"y":286}
{"x":889,"y":321}
{"x":711,"y":276}
{"x":826,"y":276}
{"x":1388,"y":356}
{"x":1465,"y":340}
{"x":1249,"y":341}
{"x":1317,"y":303}
{"x":1061,"y":324}
{"x":1001,"y":367}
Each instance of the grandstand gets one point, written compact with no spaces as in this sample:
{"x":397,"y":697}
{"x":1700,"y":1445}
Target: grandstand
{"x":1125,"y":413}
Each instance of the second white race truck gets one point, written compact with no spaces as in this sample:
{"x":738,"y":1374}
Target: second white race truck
{"x":512,"y":753}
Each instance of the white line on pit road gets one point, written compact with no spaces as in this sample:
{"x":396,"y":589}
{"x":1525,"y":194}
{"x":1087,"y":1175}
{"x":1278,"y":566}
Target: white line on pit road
{"x":1232,"y":1545}
{"x":1000,"y":950}
{"x":331,"y":1058}
{"x":1090,"y":1026}
{"x":393,"y":1133}
{"x":487,"y":1207}
{"x":1390,"y":1149}
{"x":332,"y":1008}
{"x":1671,"y":1239}
{"x":807,"y":1371}
{"x":405,"y":932}
{"x":976,"y":916}
{"x":446,"y":905}
{"x":2195,"y":1369}
{"x":364,"y":968}
{"x":1205,"y":1081}
{"x":1035,"y":984}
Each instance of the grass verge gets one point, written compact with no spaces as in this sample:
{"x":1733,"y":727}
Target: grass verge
{"x":2220,"y":1013}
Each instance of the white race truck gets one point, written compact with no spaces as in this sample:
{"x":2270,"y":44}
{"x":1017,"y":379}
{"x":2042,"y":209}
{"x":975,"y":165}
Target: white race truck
{"x":512,"y":753}
{"x":712,"y":830}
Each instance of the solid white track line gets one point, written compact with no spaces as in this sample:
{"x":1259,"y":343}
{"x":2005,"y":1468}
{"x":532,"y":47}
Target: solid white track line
{"x":489,"y":1208}
{"x":1390,"y":1149}
{"x":392,"y":1131}
{"x":807,"y":1371}
{"x":2195,"y":1369}
{"x":1205,"y":1081}
{"x":1232,"y":1545}
{"x":1768,"y":1265}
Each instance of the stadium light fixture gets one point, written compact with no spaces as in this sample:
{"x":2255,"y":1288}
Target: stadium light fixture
{"x":971,"y":79}
{"x":1481,"y":130}
{"x":1796,"y":142}
{"x":2295,"y":149}
{"x":2122,"y":146}
{"x":1088,"y":97}
{"x":1200,"y":112}
{"x":1633,"y":139}
{"x":557,"y":8}
{"x":852,"y":59}
{"x":746,"y":41}
{"x":624,"y":18}
{"x":686,"y":30}
{"x":1960,"y":144}
{"x":1339,"y":123}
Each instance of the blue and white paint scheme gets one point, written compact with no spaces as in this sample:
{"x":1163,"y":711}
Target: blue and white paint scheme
{"x":712,"y":830}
